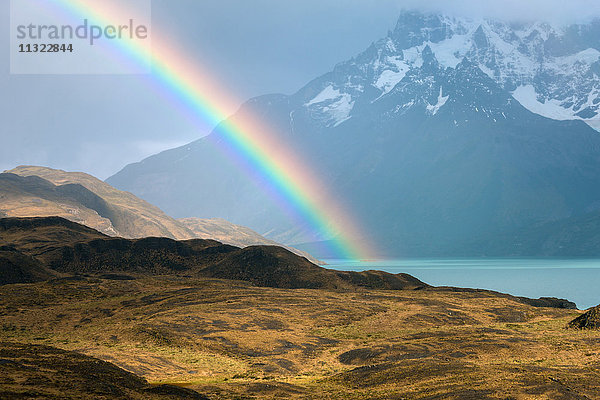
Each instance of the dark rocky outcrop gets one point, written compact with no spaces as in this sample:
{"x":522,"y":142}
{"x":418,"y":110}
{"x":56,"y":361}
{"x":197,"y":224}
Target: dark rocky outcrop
{"x":589,"y":320}
{"x":551,"y":302}
{"x":548,"y":302}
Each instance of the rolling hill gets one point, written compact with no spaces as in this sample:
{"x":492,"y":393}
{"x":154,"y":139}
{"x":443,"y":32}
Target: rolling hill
{"x":16,"y":267}
{"x":67,"y":247}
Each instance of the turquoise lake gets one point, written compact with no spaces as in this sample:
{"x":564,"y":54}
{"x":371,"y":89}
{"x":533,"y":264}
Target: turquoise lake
{"x":575,"y":280}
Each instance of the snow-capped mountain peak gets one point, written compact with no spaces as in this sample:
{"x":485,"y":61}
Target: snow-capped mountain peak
{"x":551,"y":70}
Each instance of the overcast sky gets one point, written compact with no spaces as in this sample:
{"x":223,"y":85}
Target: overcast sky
{"x":98,"y":124}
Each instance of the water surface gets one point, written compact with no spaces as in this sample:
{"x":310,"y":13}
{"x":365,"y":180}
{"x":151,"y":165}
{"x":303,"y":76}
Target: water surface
{"x":575,"y":280}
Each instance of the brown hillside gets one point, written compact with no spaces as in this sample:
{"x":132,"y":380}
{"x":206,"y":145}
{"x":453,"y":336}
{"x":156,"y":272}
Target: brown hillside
{"x":31,"y":191}
{"x":33,"y":196}
{"x":131,"y":216}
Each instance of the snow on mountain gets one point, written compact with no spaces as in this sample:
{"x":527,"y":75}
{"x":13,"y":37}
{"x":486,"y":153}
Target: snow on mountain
{"x":329,"y":93}
{"x":433,"y":109}
{"x":551,"y":70}
{"x":390,"y":78}
{"x":527,"y":96}
{"x":333,"y":106}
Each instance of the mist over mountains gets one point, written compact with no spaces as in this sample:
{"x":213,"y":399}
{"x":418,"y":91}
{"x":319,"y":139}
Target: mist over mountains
{"x":444,"y":137}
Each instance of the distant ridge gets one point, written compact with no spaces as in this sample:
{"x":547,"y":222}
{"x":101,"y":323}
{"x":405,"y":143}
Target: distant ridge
{"x":23,"y":196}
{"x":128,"y":215}
{"x":71,"y":248}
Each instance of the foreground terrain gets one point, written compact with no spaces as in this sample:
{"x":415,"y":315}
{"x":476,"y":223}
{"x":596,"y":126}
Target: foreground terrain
{"x":84,"y":315}
{"x":229,"y":339}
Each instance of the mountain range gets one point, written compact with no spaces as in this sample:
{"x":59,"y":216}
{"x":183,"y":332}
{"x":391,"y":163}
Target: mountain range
{"x":444,"y":137}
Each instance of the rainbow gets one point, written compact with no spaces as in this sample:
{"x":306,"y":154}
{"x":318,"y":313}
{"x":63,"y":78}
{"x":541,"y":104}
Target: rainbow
{"x":278,"y":170}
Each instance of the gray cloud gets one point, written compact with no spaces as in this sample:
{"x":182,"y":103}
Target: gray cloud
{"x":99,"y":124}
{"x":556,"y":11}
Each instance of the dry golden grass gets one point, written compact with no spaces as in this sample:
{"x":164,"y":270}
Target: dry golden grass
{"x":231,"y":340}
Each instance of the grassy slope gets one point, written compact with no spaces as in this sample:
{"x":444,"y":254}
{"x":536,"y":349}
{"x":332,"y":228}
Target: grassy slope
{"x":44,"y":372}
{"x":229,"y":339}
